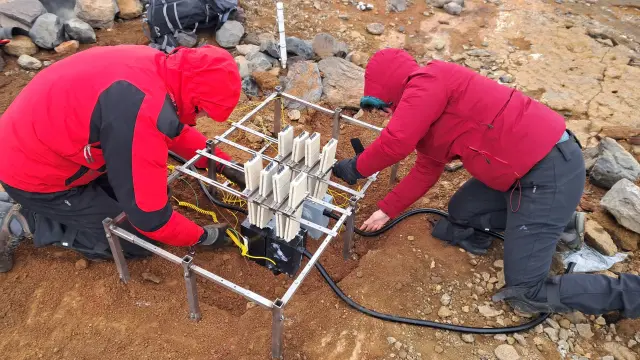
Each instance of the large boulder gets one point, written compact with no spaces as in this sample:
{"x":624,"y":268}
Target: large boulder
{"x":596,"y":237}
{"x":343,"y":82}
{"x":623,"y":202}
{"x":303,"y":81}
{"x":20,"y":13}
{"x":20,"y":45}
{"x":325,"y":45}
{"x":77,"y":29}
{"x":299,"y":47}
{"x":97,"y":13}
{"x":230,"y":34}
{"x":613,"y":164}
{"x":260,"y":62}
{"x":47,"y":32}
{"x":129,"y":9}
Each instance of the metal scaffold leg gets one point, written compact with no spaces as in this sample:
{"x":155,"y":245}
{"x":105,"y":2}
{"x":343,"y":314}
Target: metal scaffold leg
{"x":350,"y":231}
{"x":393,"y":178}
{"x":211,"y":148}
{"x":116,"y":251}
{"x":335,"y":133}
{"x":192,"y":292}
{"x":277,"y":329}
{"x":277,"y":112}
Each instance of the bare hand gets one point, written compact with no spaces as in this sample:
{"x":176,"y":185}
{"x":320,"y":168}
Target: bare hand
{"x":375,"y":222}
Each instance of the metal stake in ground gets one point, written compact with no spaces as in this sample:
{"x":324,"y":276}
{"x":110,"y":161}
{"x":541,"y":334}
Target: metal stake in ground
{"x":192,"y":291}
{"x":350,"y":229}
{"x":277,"y":111}
{"x":277,"y":329}
{"x":211,"y":147}
{"x":336,"y":123}
{"x":116,"y":251}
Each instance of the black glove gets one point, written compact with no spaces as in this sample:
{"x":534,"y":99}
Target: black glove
{"x":235,"y":176}
{"x":346,"y":170}
{"x":214,"y":237}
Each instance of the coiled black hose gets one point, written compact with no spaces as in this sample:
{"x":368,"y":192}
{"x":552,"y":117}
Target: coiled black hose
{"x":387,"y":317}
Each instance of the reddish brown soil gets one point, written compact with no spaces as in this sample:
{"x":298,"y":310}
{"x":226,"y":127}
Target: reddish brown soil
{"x":52,"y":310}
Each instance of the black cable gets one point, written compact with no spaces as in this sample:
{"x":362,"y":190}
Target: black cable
{"x":386,"y":317}
{"x":425,"y":323}
{"x":204,"y":188}
{"x":394,"y":222}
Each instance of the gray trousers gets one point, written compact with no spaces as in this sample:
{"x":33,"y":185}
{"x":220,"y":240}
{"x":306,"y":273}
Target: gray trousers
{"x":532,"y":215}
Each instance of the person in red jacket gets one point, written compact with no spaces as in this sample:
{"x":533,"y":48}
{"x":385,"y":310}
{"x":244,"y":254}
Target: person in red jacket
{"x":528,"y":176}
{"x":88,"y":138}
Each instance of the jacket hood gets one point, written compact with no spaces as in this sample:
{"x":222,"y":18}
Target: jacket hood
{"x":202,"y":79}
{"x":387,"y":73}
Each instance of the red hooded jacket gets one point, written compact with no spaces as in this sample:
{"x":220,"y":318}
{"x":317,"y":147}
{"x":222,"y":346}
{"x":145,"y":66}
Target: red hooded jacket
{"x":118,"y":110}
{"x":445,"y":111}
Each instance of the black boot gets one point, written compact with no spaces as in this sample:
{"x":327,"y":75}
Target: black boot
{"x":573,"y":234}
{"x":233,"y":175}
{"x":466,"y":238}
{"x":13,"y":229}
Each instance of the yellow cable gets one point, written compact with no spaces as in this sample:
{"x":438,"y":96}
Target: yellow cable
{"x":230,"y":231}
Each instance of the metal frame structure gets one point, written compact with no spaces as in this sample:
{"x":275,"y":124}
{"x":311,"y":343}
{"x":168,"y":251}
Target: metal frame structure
{"x":115,"y":233}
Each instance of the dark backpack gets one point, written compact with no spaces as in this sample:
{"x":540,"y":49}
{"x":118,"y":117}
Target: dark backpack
{"x":170,"y":20}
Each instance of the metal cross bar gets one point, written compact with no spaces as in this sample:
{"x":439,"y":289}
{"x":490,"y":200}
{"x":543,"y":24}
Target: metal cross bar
{"x":205,"y":179}
{"x":220,"y":160}
{"x":254,"y":132}
{"x":250,"y":114}
{"x":331,"y":112}
{"x":174,"y":175}
{"x":296,"y":283}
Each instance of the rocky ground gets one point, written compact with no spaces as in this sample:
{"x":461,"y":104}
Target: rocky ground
{"x":581,"y":58}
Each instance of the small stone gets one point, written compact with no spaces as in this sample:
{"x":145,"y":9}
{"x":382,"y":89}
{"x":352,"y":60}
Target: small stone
{"x":552,"y":333}
{"x":444,"y":312}
{"x":294,"y":114}
{"x":375,"y":28}
{"x":632,"y":343}
{"x":563,"y":334}
{"x":468,"y":338}
{"x":576,"y":317}
{"x":511,"y":340}
{"x":29,"y":63}
{"x":438,"y":349}
{"x":68,"y":47}
{"x":151,"y":277}
{"x":501,"y":337}
{"x":247,"y":49}
{"x":619,"y":351}
{"x":506,"y":352}
{"x":473,"y":262}
{"x":601,"y":321}
{"x":97,"y":13}
{"x":250,"y":305}
{"x":402,"y":354}
{"x":520,"y":339}
{"x":391,"y":340}
{"x":445,"y":299}
{"x":488,"y":311}
{"x":584,"y":330}
{"x":554,"y":324}
{"x":410,"y":238}
{"x":397,"y":5}
{"x":398,"y":345}
{"x":82,"y":264}
{"x":453,"y":9}
{"x":498,"y":264}
{"x":465,"y":309}
{"x":565,"y":323}
{"x":507,"y":78}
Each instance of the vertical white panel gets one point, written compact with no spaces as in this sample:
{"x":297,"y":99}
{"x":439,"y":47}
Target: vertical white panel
{"x":285,"y":141}
{"x":299,"y":146}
